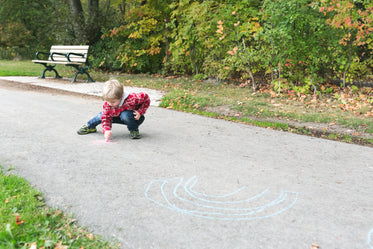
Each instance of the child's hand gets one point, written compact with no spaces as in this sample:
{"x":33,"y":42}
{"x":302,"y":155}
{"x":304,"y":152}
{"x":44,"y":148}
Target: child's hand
{"x":107,"y":136}
{"x":137,"y":115}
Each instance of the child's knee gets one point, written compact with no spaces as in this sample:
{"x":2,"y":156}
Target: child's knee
{"x":127,"y":116}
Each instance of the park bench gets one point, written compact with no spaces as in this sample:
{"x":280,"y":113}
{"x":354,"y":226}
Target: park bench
{"x":73,"y":56}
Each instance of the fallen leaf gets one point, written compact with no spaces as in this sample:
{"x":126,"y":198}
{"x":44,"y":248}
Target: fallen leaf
{"x":33,"y":246}
{"x":18,"y":220}
{"x":90,"y":236}
{"x":60,"y":246}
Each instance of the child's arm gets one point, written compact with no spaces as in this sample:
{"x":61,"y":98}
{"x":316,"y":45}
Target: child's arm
{"x":107,"y":135}
{"x":143,"y":103}
{"x":106,"y":119}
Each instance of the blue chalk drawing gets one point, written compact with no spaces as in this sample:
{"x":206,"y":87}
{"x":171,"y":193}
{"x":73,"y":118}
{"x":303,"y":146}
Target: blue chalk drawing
{"x":369,"y":239}
{"x":179,"y":197}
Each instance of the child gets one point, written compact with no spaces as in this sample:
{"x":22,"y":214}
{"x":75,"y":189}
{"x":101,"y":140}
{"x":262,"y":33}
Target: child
{"x":119,"y":107}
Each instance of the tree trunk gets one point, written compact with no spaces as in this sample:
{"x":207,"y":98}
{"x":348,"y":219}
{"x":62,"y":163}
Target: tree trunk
{"x":78,"y":20}
{"x":192,"y":52}
{"x":249,"y":66}
{"x":348,"y":65}
{"x":93,"y":22}
{"x":86,"y":32}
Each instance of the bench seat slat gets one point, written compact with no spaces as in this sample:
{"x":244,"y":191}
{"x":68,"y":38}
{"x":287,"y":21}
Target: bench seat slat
{"x":57,"y":62}
{"x":78,"y":51}
{"x":83,"y":47}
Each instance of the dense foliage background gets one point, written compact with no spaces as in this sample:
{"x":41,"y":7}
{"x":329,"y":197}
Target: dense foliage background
{"x":294,"y":45}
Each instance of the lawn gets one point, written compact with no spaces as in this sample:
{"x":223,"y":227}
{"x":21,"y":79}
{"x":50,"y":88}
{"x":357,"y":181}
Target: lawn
{"x":26,"y":222}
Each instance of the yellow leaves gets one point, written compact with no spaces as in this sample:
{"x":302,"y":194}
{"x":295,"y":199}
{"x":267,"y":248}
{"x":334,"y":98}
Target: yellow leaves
{"x":135,"y":35}
{"x":153,"y":50}
{"x":102,"y":62}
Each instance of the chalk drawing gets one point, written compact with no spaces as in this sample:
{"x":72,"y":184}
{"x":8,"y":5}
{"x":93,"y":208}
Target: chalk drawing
{"x":102,"y":141}
{"x":181,"y":197}
{"x":369,"y":239}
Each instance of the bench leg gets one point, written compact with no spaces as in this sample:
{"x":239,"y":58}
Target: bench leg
{"x":89,"y":77}
{"x":81,"y":70}
{"x":50,"y":68}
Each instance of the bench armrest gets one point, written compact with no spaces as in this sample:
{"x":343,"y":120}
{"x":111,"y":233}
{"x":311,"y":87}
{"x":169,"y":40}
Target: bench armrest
{"x":68,"y":56}
{"x":57,"y":54}
{"x":38,"y":53}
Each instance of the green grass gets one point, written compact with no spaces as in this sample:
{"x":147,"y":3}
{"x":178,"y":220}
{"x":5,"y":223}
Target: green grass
{"x":27,"y":68}
{"x":19,"y":68}
{"x":36,"y":223}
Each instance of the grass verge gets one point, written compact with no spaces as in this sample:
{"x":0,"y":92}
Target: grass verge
{"x":26,"y":222}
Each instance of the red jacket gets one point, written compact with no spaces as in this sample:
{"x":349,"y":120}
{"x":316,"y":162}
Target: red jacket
{"x":134,"y":102}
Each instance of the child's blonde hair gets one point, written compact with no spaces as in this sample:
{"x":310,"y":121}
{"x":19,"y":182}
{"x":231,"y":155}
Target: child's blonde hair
{"x":112,"y":90}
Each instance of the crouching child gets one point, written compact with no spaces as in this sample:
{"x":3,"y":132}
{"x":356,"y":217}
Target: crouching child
{"x":119,"y":107}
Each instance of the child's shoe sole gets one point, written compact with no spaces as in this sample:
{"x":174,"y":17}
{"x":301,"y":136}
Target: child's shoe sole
{"x":86,"y":130}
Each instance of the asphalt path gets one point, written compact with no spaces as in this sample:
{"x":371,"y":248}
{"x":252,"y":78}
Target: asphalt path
{"x":191,"y":181}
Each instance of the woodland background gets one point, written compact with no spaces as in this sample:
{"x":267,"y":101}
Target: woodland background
{"x":293,"y":45}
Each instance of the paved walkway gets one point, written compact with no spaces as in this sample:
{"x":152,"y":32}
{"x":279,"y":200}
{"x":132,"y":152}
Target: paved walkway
{"x":78,"y":87}
{"x":191,"y":181}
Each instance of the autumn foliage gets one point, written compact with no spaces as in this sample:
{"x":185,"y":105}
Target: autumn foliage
{"x":296,"y":44}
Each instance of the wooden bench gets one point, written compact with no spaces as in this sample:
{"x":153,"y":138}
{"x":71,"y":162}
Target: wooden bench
{"x":73,"y":56}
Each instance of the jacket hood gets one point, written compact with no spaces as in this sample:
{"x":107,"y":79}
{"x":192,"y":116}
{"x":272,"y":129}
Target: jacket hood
{"x":125,"y":96}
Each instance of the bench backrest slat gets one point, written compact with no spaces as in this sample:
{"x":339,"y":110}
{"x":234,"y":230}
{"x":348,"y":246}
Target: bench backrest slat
{"x":70,"y":49}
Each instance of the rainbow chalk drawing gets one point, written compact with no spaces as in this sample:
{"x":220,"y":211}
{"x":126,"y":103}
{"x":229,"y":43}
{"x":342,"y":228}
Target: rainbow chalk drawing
{"x":181,"y":197}
{"x":369,"y":239}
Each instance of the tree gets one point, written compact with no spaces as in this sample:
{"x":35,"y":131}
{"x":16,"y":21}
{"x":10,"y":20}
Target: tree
{"x":25,"y":23}
{"x":87,"y":30}
{"x":353,"y":23}
{"x":300,"y":41}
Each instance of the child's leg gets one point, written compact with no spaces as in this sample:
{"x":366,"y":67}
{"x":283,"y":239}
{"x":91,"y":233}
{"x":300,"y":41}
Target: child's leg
{"x":127,"y":118}
{"x":90,"y":127}
{"x":97,"y":120}
{"x":94,"y":121}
